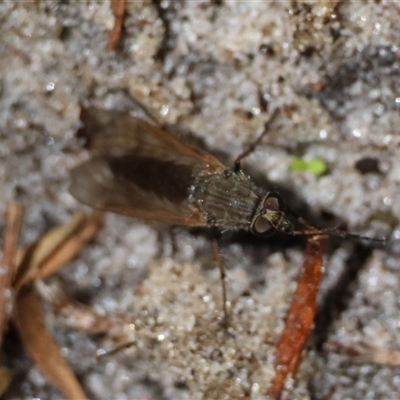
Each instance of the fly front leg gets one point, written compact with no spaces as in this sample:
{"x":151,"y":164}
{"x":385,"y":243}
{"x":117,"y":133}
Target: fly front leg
{"x":256,"y":142}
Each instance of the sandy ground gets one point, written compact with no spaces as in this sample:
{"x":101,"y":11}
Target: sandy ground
{"x":213,"y":70}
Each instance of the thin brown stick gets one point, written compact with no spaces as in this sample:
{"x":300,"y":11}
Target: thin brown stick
{"x":77,"y":315}
{"x":116,"y":349}
{"x":365,"y":353}
{"x":12,"y":220}
{"x":119,"y":10}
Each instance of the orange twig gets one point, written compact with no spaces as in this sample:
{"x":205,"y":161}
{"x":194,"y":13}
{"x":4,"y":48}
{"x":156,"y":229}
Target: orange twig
{"x":56,"y":248}
{"x":119,"y":10}
{"x":12,"y":221}
{"x":29,"y":321}
{"x":300,"y":316}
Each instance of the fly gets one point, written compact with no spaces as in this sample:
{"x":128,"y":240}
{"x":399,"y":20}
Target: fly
{"x":139,"y":170}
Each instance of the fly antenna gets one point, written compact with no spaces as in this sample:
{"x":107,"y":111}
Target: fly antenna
{"x":335,"y":231}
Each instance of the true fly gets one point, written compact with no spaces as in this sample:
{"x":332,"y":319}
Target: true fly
{"x":140,"y":170}
{"x":137,"y":169}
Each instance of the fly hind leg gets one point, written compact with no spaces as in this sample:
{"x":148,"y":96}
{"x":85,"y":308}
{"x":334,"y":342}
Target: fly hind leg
{"x":221,"y":268}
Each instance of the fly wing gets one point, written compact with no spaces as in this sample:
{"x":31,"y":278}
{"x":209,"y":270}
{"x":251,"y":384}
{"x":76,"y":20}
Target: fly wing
{"x":113,"y":133}
{"x":140,"y":170}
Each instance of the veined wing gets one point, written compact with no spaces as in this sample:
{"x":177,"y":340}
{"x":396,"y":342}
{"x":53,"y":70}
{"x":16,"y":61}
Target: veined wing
{"x":113,"y":133}
{"x":140,"y":170}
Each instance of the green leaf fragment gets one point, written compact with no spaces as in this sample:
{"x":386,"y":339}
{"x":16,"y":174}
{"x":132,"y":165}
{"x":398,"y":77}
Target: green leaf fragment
{"x":314,"y":165}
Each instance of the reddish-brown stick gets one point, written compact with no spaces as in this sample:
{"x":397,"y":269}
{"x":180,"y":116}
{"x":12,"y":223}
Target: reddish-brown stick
{"x":300,"y":317}
{"x":119,"y":10}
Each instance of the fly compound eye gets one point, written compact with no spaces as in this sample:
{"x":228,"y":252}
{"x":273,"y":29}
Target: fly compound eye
{"x":261,"y":226}
{"x":269,"y":216}
{"x":274,"y":202}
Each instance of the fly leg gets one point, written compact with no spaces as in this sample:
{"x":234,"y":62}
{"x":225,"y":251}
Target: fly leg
{"x":221,"y":267}
{"x":256,"y":142}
